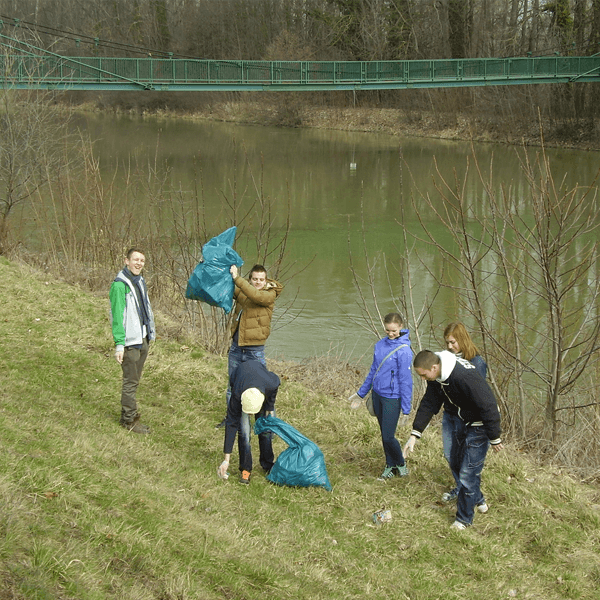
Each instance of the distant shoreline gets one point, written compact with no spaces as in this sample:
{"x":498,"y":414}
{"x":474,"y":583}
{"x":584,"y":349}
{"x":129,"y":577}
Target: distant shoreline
{"x":387,"y":121}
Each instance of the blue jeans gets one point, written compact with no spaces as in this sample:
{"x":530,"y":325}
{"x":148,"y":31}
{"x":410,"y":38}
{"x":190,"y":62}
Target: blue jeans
{"x":240,"y":354}
{"x":266,"y":457}
{"x":449,"y":424}
{"x":387,"y":411}
{"x":469,"y":448}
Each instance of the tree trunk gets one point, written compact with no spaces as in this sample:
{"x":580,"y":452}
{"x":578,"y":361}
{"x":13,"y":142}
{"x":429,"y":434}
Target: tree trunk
{"x":594,"y":43}
{"x":458,"y":27}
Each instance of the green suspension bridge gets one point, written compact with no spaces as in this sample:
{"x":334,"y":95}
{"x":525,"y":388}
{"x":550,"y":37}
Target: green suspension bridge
{"x":23,"y":66}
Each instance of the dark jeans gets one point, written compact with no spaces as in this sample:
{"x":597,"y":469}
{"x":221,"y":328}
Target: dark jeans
{"x":387,"y":411}
{"x":239,"y":354}
{"x":449,"y":423}
{"x":265,"y":445}
{"x":132,"y":366}
{"x":469,"y":448}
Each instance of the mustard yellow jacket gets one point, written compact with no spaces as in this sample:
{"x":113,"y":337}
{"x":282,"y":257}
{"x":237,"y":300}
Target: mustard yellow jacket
{"x":253,"y":310}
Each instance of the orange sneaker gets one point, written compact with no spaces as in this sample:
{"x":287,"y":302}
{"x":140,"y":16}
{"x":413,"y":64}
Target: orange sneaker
{"x":245,"y":477}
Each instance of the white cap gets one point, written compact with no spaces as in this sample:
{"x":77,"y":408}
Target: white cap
{"x":252,"y":401}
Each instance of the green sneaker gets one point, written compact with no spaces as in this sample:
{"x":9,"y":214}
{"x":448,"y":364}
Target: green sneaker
{"x":388,"y":473}
{"x":401,"y":471}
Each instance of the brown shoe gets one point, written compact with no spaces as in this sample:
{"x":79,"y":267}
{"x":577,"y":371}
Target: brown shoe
{"x":135,"y":426}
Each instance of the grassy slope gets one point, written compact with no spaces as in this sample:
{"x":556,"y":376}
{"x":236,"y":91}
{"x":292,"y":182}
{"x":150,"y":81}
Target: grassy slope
{"x":89,"y":511}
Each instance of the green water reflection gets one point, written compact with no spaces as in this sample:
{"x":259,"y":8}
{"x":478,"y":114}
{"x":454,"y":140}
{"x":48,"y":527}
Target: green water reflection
{"x":313,"y":171}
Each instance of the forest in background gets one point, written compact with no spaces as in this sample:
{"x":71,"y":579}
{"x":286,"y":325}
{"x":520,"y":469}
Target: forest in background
{"x":337,"y":30}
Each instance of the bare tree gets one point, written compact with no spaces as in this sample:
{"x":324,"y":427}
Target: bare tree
{"x":245,"y":204}
{"x":460,"y":27}
{"x":546,"y":243}
{"x":34,"y":146}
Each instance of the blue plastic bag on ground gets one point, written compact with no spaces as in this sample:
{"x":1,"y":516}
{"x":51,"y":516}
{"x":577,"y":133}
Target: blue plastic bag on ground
{"x":211,"y":281}
{"x":302,"y":464}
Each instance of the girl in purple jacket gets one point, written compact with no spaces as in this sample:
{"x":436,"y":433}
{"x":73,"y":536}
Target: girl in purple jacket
{"x":390,"y":382}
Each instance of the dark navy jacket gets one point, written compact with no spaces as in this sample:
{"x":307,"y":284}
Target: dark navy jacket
{"x":480,"y":365}
{"x":462,"y":391}
{"x":249,"y":374}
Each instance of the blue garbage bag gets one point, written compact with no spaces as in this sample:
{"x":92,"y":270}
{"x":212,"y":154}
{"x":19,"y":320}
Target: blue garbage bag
{"x":211,"y":281}
{"x":302,"y":464}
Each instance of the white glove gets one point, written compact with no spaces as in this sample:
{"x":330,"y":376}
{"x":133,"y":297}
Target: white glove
{"x":355,"y":401}
{"x":410,"y":445}
{"x":222,"y":470}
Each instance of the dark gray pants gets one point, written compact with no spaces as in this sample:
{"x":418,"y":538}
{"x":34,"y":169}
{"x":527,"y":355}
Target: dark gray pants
{"x":132,"y":365}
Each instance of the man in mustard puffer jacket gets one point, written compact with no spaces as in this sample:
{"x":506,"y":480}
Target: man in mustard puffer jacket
{"x":251,"y":326}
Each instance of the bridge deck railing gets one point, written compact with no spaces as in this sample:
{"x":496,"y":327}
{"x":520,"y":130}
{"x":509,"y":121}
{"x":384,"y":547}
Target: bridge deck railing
{"x":151,"y":72}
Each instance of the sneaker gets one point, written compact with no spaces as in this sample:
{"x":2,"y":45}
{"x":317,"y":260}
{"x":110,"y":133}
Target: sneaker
{"x":245,"y":477}
{"x":458,"y":525}
{"x":482,"y":508}
{"x":450,"y":496}
{"x":388,"y":473}
{"x":135,"y":426}
{"x":401,"y":471}
{"x":221,"y":424}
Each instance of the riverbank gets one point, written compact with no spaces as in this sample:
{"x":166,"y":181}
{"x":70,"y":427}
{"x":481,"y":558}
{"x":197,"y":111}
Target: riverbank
{"x":451,"y":125}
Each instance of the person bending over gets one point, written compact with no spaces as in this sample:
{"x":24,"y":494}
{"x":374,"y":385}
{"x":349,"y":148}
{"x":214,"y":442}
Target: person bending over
{"x":455,"y":380}
{"x":253,"y":392}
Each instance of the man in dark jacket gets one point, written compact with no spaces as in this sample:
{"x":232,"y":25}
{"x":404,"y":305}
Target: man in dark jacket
{"x":454,"y":383}
{"x":253,"y":392}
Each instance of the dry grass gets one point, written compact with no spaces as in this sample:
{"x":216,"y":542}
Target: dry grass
{"x":322,"y":375}
{"x":90,"y":511}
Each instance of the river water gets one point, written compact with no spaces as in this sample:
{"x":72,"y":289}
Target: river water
{"x":344,"y":191}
